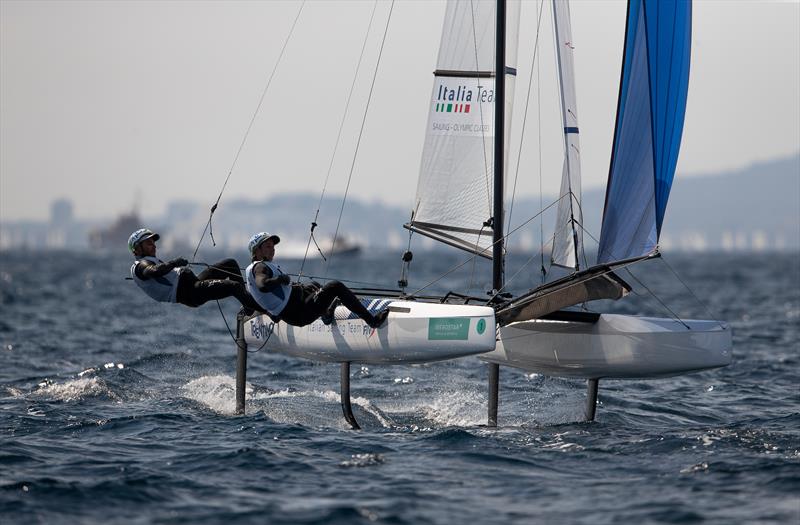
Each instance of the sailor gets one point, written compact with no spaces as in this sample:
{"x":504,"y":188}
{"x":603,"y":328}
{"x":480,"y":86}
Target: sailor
{"x":295,"y":303}
{"x":173,"y":282}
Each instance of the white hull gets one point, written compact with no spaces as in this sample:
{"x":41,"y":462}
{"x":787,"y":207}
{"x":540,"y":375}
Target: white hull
{"x":616,"y":346}
{"x":414,"y":332}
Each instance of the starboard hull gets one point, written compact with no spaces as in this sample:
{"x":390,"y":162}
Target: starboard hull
{"x":616,"y":346}
{"x":415,"y":332}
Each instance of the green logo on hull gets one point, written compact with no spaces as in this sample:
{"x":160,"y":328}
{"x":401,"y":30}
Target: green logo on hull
{"x":448,"y":328}
{"x":481,"y":326}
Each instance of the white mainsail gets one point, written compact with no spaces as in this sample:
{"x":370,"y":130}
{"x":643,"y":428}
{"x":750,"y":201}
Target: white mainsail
{"x":455,"y":191}
{"x":568,"y":234}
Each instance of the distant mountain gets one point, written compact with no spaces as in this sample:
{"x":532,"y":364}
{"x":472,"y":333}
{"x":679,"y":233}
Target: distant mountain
{"x":755,"y":208}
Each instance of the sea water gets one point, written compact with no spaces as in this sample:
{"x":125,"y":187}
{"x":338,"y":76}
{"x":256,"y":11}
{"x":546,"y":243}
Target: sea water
{"x":117,"y":409}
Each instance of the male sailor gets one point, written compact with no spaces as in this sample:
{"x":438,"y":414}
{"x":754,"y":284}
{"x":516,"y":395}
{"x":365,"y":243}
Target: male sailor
{"x":295,"y":303}
{"x":173,"y":282}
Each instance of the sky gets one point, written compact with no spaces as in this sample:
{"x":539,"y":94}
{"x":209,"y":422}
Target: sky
{"x":115,"y":104}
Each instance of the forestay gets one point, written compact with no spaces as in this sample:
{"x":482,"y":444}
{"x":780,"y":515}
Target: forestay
{"x":650,"y":115}
{"x":454,"y":192}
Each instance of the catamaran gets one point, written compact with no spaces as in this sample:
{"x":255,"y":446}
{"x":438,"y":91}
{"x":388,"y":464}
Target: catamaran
{"x":460,"y":202}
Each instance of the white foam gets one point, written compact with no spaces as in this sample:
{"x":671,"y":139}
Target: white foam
{"x":216,"y":392}
{"x":14,"y":392}
{"x":363,"y":460}
{"x":301,"y":415}
{"x":74,"y":389}
{"x":459,"y":409}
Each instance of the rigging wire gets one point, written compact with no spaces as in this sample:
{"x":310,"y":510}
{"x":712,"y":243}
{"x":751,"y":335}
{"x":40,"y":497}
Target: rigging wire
{"x":208,"y":227}
{"x":657,"y":298}
{"x":366,"y":283}
{"x":639,"y":281}
{"x":701,"y":303}
{"x":483,"y":143}
{"x":222,"y":314}
{"x":525,"y":119}
{"x":480,"y":108}
{"x":542,"y":269}
{"x":270,"y":331}
{"x":488,"y":248}
{"x":336,"y":144}
{"x":606,"y":272}
{"x":360,"y":134}
{"x":519,"y":271}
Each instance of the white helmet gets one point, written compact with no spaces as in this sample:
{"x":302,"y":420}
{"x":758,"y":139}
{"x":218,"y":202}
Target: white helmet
{"x":139,"y":236}
{"x":259,"y":238}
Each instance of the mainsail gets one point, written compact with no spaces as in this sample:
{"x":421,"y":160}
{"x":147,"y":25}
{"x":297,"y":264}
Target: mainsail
{"x":650,"y":114}
{"x":454,"y":193}
{"x":568,"y":234}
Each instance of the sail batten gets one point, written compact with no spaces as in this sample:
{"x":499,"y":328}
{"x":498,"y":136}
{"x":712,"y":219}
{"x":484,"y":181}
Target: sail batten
{"x":650,"y":115}
{"x":455,"y":191}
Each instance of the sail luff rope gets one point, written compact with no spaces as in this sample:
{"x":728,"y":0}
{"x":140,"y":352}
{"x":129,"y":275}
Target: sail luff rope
{"x":360,"y":134}
{"x":208,"y":227}
{"x":336,"y":144}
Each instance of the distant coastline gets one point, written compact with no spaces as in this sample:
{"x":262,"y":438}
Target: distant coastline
{"x":753,"y":209}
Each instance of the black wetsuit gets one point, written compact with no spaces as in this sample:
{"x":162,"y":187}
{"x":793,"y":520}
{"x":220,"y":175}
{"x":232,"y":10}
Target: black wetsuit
{"x":218,"y":281}
{"x":307,"y":302}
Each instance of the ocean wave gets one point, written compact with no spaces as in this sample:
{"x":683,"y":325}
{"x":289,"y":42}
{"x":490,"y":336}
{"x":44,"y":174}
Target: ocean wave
{"x":75,"y":390}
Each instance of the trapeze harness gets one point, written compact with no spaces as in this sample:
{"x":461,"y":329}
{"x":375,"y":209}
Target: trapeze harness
{"x":274,"y":301}
{"x":163,"y":289}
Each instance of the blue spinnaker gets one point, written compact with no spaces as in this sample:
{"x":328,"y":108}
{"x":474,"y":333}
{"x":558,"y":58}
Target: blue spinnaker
{"x":647,"y":138}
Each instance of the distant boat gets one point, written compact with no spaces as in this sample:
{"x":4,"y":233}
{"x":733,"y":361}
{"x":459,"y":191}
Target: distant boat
{"x":344,"y":246}
{"x":115,"y":237}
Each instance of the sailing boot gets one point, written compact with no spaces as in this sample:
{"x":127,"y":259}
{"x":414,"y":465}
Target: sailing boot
{"x":378,"y":319}
{"x":329,"y":316}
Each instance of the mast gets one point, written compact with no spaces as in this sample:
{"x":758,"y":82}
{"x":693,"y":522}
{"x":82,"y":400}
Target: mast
{"x":499,"y":146}
{"x":499,"y":158}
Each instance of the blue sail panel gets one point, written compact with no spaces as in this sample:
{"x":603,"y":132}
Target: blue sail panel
{"x":650,"y":115}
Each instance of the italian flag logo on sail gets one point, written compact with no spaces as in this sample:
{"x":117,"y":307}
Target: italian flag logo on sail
{"x":442,"y":107}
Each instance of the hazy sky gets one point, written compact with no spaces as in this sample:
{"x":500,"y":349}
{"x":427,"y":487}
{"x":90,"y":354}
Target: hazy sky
{"x":114,"y":103}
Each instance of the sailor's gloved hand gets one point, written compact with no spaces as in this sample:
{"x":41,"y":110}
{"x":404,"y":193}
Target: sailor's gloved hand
{"x":178,"y":262}
{"x":284,"y":279}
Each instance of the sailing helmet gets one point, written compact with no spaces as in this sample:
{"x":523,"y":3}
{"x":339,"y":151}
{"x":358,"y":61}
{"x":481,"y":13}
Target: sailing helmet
{"x":260,"y":237}
{"x":140,"y":235}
